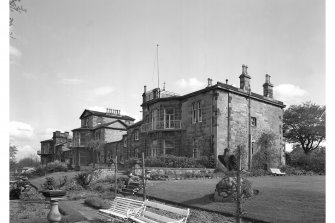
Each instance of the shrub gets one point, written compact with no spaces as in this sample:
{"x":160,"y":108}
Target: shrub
{"x":56,"y":166}
{"x":101,"y":187}
{"x":246,"y":189}
{"x":266,"y":154}
{"x":31,"y":195}
{"x":96,"y":202}
{"x":84,"y":179}
{"x":256,"y":172}
{"x":314,"y":161}
{"x":158,"y":176}
{"x":49,"y":184}
{"x":180,"y":162}
{"x":72,"y":185}
{"x":14,"y":193}
{"x":40,"y":171}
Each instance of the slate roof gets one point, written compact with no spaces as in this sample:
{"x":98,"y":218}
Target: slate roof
{"x":224,"y":87}
{"x":106,"y":125}
{"x":104,"y":114}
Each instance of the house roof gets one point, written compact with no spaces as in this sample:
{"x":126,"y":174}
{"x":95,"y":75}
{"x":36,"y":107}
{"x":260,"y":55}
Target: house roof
{"x":81,"y":129}
{"x":47,"y":140}
{"x":224,"y":87}
{"x":106,"y":125}
{"x":135,"y":124}
{"x":104,"y":114}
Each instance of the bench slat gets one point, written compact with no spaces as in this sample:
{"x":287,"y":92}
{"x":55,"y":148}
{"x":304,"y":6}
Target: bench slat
{"x":184,"y":212}
{"x":141,"y":219}
{"x":155,"y":216}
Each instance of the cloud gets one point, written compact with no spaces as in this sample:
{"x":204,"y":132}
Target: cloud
{"x":190,"y":84}
{"x":71,"y":81}
{"x":103,"y":91}
{"x":26,"y":151}
{"x":15,"y":54}
{"x":290,"y":94}
{"x":47,"y":133}
{"x":97,"y":108}
{"x":20,"y":130}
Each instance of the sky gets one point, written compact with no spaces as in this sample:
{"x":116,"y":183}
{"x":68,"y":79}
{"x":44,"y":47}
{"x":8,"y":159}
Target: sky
{"x":68,"y":56}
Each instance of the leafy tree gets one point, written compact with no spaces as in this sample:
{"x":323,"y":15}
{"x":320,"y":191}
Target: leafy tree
{"x":14,"y":6}
{"x":305,"y":124}
{"x":32,"y":161}
{"x":95,"y":145}
{"x":12,"y":155}
{"x":266,"y":154}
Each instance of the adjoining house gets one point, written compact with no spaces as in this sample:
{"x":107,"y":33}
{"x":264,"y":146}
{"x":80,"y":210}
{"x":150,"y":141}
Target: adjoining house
{"x":101,"y":127}
{"x":55,"y":148}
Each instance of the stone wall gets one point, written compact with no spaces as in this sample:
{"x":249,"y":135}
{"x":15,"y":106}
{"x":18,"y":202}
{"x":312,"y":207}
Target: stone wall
{"x":201,"y":132}
{"x":268,"y":119}
{"x":113,"y":135}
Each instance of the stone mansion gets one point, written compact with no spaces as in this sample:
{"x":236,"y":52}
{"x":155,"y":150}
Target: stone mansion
{"x":201,"y":123}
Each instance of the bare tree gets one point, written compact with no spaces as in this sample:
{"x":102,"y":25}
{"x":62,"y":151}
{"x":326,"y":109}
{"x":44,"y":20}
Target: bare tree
{"x":14,"y":6}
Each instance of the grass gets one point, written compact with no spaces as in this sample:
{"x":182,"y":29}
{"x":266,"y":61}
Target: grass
{"x":23,"y":210}
{"x":281,"y":199}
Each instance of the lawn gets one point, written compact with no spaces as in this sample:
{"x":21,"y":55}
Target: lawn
{"x":281,"y":199}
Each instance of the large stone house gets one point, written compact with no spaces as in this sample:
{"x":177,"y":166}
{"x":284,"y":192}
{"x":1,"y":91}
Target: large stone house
{"x":205,"y":122}
{"x":201,"y":123}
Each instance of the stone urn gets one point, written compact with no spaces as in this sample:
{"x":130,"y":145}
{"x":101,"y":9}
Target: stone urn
{"x":54,"y":196}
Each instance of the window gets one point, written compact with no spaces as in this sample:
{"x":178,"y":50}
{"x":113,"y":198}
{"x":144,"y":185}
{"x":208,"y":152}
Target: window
{"x":154,"y":118}
{"x":168,"y":147}
{"x":253,"y":121}
{"x":169,"y":118}
{"x":196,"y":112}
{"x":136,"y":135}
{"x":280,"y":130}
{"x":195,"y":148}
{"x":86,"y":122}
{"x":153,"y":151}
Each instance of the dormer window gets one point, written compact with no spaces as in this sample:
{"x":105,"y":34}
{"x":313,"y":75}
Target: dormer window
{"x":86,"y":122}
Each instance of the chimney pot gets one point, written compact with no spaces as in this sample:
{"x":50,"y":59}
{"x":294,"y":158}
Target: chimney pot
{"x":226,"y":81}
{"x":145,"y":88}
{"x":209,"y":80}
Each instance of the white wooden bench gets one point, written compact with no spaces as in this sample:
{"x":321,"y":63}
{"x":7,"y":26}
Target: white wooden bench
{"x":147,"y":216}
{"x":276,"y":172}
{"x":122,"y":208}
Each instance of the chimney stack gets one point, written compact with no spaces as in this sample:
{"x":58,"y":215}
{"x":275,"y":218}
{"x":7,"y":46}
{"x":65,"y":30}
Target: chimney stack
{"x":209,"y":82}
{"x":245,"y":79}
{"x":267,"y":87}
{"x":226,"y":81}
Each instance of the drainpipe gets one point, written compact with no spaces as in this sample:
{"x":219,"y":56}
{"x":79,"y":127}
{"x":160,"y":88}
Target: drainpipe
{"x":228,"y":123}
{"x":249,"y":130}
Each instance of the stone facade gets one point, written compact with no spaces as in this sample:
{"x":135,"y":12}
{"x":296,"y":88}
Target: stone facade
{"x":98,"y":126}
{"x":205,"y":122}
{"x":52,"y":149}
{"x":202,"y":123}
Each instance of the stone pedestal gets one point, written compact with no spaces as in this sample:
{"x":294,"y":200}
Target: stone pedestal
{"x":54,"y":215}
{"x":54,"y":196}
